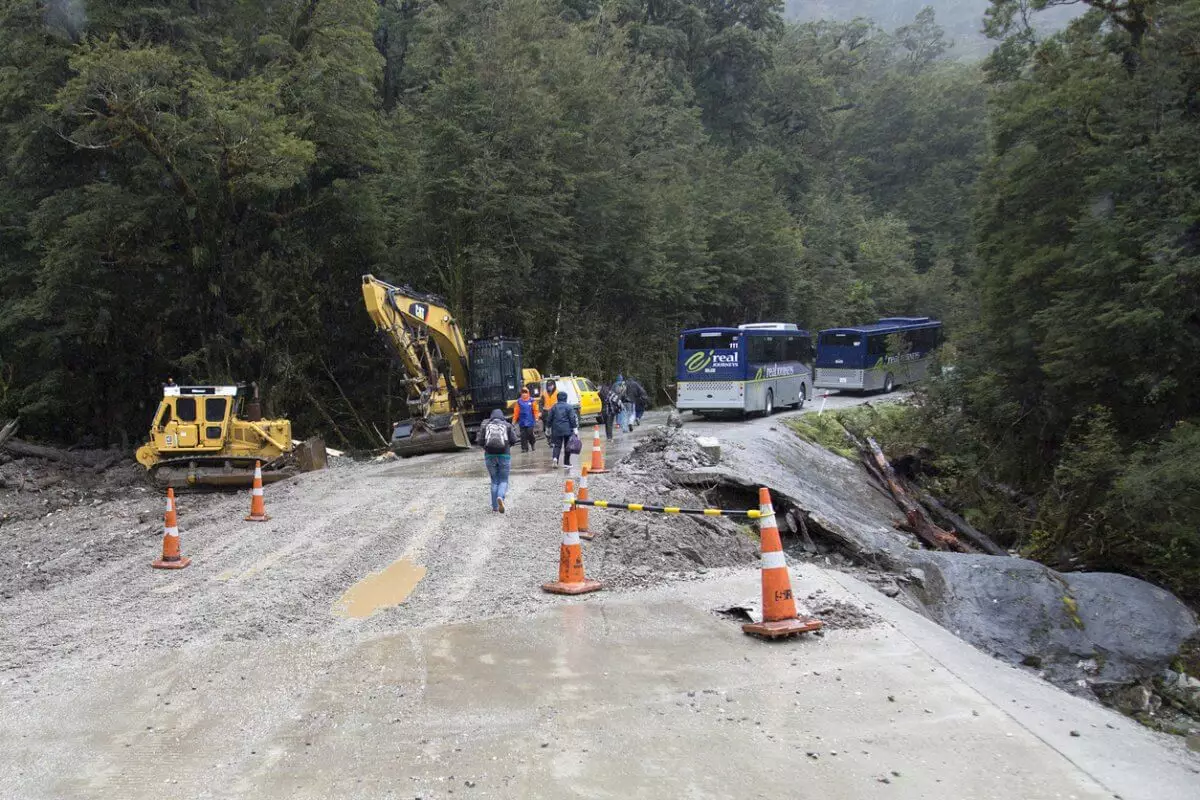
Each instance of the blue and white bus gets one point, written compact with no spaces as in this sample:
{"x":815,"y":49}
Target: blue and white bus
{"x":750,"y":368}
{"x":881,"y":355}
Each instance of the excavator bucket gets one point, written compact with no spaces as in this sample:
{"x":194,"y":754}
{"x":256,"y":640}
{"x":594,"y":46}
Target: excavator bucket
{"x":433,"y":435}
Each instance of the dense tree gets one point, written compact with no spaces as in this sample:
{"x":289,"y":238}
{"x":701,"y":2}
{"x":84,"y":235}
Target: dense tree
{"x":193,"y":189}
{"x":1079,"y":383}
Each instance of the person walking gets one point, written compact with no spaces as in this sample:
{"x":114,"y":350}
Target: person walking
{"x":626,"y":405}
{"x":561,"y":423}
{"x":640,"y":397}
{"x":547,"y":401}
{"x":498,"y":437}
{"x":525,"y":416}
{"x":610,"y":408}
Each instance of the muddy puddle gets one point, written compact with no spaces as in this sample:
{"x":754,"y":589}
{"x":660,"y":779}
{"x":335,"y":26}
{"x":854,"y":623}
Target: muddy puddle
{"x":379,"y":590}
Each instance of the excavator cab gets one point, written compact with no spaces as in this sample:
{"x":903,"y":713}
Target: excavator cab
{"x":213,"y":435}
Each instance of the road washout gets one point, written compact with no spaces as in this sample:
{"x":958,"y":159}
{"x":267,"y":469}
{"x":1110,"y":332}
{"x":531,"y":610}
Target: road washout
{"x":1094,"y":634}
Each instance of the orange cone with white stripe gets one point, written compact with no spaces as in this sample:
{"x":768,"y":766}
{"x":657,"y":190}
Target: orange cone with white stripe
{"x":258,"y":510}
{"x":778,"y":605}
{"x":171,"y":559}
{"x":570,"y":556}
{"x":597,"y":467}
{"x":581,"y":512}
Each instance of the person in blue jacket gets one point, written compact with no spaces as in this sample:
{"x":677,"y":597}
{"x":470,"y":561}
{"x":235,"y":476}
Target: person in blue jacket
{"x":525,"y":416}
{"x":561,"y":423}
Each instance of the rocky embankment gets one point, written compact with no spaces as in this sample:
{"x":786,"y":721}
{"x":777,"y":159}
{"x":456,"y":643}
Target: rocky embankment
{"x":1106,"y":635}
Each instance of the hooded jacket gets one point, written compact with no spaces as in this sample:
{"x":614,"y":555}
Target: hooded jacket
{"x":561,"y":419}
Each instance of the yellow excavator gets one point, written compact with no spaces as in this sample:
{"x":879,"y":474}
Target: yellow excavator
{"x":213,"y":435}
{"x":451,"y":384}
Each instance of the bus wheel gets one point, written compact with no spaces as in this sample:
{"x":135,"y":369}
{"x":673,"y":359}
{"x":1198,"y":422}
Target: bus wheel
{"x":803,"y":396}
{"x":770,"y":409}
{"x":888,"y":384}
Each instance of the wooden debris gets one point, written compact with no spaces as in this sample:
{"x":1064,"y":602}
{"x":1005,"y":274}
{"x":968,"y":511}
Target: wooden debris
{"x":918,"y":521}
{"x":8,"y":431}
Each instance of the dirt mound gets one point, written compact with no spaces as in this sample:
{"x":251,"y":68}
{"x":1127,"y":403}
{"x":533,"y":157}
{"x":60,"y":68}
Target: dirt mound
{"x":838,"y":613}
{"x":58,"y":520}
{"x":639,"y":548}
{"x":660,"y":447}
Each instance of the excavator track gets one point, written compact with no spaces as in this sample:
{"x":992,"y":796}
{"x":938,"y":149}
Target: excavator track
{"x":218,"y":471}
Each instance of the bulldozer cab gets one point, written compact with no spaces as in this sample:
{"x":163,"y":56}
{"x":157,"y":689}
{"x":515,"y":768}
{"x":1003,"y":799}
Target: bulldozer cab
{"x":193,"y":418}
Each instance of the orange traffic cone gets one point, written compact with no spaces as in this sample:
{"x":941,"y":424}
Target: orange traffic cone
{"x":778,"y":605}
{"x":597,"y":454}
{"x":258,"y":511}
{"x":170,"y":554}
{"x":570,"y":556}
{"x":581,"y":512}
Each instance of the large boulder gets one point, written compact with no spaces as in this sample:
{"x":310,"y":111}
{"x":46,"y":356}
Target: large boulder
{"x":1079,"y":629}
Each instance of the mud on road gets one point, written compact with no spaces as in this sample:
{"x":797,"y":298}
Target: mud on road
{"x":76,"y":585}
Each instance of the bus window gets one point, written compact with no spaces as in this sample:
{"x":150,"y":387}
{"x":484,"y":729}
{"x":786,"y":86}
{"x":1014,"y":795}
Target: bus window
{"x":764,"y":349}
{"x":710,"y":340}
{"x":841,"y":339}
{"x":877,"y":345}
{"x":798,"y":348}
{"x":185,"y":409}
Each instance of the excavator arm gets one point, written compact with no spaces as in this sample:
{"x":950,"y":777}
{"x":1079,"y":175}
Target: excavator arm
{"x":423,"y":334}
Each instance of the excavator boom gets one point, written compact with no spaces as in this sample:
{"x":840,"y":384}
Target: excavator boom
{"x":422,"y":333}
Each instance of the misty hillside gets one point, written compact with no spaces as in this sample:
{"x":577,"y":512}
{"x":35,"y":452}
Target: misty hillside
{"x":961,"y":19}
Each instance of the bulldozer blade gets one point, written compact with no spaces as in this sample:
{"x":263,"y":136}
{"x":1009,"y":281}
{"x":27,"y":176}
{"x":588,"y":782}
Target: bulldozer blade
{"x":310,"y":455}
{"x":425,"y":440}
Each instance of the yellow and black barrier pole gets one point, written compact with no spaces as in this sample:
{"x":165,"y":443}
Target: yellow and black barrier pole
{"x":752,"y":513}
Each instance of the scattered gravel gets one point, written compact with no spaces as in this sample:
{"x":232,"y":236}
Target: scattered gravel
{"x":839,"y":613}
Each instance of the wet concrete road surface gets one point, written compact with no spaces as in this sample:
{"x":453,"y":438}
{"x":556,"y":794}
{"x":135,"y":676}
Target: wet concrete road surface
{"x":639,"y":695}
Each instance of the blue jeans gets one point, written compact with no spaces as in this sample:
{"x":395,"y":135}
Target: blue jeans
{"x":498,"y":467}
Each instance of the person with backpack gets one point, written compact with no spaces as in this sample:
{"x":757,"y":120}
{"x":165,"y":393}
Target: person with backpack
{"x":640,"y":398}
{"x":562,"y":424}
{"x":610,"y":408}
{"x":626,"y":414}
{"x":525,"y":416}
{"x":497,"y":437}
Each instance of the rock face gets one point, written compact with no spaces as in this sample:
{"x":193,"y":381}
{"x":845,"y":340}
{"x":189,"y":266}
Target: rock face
{"x":1080,"y":630}
{"x":1102,"y":628}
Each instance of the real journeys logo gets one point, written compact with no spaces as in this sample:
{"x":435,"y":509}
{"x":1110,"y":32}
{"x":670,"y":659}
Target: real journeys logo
{"x":703,"y":359}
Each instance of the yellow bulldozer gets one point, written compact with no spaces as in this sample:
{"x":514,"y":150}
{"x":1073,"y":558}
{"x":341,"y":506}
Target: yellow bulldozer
{"x":451,"y":384}
{"x":213,"y":435}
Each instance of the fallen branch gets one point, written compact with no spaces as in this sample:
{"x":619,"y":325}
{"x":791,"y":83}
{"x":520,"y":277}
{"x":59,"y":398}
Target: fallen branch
{"x":7,"y":431}
{"x":106,"y":462}
{"x":960,"y":525}
{"x":918,"y":520}
{"x":21,"y":448}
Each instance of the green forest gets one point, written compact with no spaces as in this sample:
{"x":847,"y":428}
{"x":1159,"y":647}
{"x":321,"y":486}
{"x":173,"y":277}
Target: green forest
{"x":192,"y":188}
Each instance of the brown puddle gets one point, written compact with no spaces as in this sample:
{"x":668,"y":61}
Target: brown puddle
{"x":384,"y":589}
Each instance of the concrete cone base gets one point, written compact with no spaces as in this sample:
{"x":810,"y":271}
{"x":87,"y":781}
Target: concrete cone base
{"x":253,"y":518}
{"x":783,"y":627}
{"x":180,"y":564}
{"x":572,"y":588}
{"x":587,"y":537}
